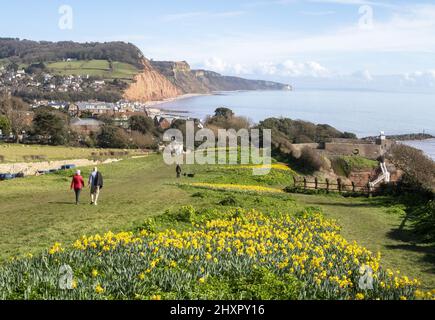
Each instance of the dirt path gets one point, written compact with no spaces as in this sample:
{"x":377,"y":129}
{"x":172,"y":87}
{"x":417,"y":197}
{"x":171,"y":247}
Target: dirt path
{"x":31,"y":168}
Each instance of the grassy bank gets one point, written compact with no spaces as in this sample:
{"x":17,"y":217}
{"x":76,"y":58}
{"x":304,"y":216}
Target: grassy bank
{"x":38,"y":211}
{"x":23,"y":153}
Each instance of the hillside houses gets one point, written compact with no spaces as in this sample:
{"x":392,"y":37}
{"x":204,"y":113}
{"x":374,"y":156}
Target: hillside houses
{"x":91,"y":108}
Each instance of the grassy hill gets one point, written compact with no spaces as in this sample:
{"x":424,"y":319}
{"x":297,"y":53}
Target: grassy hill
{"x":138,"y":189}
{"x":95,"y":68}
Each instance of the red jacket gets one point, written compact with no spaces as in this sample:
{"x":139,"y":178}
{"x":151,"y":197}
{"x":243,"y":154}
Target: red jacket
{"x":77,"y":183}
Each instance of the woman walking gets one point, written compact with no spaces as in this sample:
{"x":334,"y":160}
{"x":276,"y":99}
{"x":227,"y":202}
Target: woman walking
{"x":77,"y":184}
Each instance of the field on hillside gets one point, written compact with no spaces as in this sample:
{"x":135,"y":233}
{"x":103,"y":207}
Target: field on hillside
{"x":96,"y":68}
{"x":3,"y":62}
{"x":139,"y":189}
{"x":23,"y":153}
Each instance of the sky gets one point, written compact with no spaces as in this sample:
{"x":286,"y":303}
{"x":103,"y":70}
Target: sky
{"x":354,"y":43}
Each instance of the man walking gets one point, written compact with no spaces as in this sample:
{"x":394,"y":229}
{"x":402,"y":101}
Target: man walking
{"x":96,"y":184}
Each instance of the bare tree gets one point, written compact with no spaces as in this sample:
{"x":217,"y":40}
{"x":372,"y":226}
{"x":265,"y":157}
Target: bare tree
{"x":16,"y":111}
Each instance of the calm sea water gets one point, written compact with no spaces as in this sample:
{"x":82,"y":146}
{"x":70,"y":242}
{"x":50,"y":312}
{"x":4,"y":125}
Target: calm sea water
{"x":365,"y":113}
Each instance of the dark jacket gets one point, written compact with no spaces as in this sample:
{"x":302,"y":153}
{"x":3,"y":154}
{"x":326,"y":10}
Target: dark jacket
{"x":98,"y":180}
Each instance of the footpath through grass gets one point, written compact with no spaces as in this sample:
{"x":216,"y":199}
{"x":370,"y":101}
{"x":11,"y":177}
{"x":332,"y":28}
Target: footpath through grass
{"x":38,"y":211}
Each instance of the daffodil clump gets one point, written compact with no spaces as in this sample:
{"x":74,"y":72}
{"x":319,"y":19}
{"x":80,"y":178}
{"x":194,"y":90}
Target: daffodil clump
{"x":235,"y":187}
{"x":274,"y":166}
{"x":302,"y":257}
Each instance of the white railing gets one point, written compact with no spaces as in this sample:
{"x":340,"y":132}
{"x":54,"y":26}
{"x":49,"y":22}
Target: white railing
{"x":385,"y":176}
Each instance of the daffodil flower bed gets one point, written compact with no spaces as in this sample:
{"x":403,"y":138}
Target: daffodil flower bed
{"x":274,"y":166}
{"x":234,"y":187}
{"x":282,"y":256}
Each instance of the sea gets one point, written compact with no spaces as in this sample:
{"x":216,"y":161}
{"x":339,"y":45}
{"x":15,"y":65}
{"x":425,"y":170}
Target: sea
{"x":365,"y":113}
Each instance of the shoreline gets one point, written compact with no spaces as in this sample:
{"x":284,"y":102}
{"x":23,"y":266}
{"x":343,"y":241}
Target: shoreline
{"x":157,"y":103}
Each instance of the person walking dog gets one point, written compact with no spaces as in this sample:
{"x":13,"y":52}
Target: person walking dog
{"x":77,"y":185}
{"x":96,"y":184}
{"x":178,"y":170}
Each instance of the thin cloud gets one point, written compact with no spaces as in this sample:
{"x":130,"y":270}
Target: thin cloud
{"x":318,"y":13}
{"x":201,"y":14}
{"x":355,"y":2}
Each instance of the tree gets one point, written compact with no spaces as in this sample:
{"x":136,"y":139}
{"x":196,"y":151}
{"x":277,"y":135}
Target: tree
{"x":51,"y":127}
{"x":13,"y":67}
{"x":107,"y":119}
{"x":223,"y":112}
{"x":142,"y":124}
{"x":36,"y":68}
{"x":15,"y":110}
{"x":5,"y":125}
{"x":113,"y":137}
{"x":310,"y":160}
{"x":143,"y":141}
{"x":419,"y":170}
{"x":225,"y":118}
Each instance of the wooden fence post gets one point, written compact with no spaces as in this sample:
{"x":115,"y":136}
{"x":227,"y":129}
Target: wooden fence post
{"x":305,"y":183}
{"x":353,"y":187}
{"x":295,"y":181}
{"x":339,"y":185}
{"x":327,"y":185}
{"x":316,"y":183}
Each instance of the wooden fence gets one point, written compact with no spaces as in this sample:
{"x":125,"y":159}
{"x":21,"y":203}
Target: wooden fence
{"x":330,"y":186}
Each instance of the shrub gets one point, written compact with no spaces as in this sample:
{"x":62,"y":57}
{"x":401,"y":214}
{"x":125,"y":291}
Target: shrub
{"x":310,"y":160}
{"x":228,"y":201}
{"x":142,"y":141}
{"x":112,"y":137}
{"x":423,"y":218}
{"x":186,"y":214}
{"x":419,"y":170}
{"x":198,"y":195}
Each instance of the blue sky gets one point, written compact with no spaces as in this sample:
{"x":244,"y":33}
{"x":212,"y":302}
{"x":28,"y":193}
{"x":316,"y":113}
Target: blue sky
{"x":312,"y":41}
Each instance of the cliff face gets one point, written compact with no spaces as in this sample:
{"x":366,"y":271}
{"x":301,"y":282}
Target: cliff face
{"x":167,"y":79}
{"x":216,"y":82}
{"x":203,"y":81}
{"x":151,"y":85}
{"x":180,"y":74}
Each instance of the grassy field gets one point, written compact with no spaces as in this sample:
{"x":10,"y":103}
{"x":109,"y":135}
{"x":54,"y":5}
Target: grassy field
{"x":38,"y":211}
{"x":3,"y":62}
{"x":97,"y":68}
{"x":21,"y":153}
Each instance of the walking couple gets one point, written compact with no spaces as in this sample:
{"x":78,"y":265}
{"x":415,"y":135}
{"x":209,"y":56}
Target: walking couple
{"x":95,"y":182}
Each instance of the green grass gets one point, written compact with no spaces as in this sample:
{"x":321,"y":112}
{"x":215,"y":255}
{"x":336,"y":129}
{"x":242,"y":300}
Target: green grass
{"x":20,"y":153}
{"x":96,"y":68}
{"x":344,"y":165}
{"x":38,"y":211}
{"x":4,"y":62}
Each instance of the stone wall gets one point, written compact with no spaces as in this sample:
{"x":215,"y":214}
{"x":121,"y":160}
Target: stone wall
{"x":370,"y":151}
